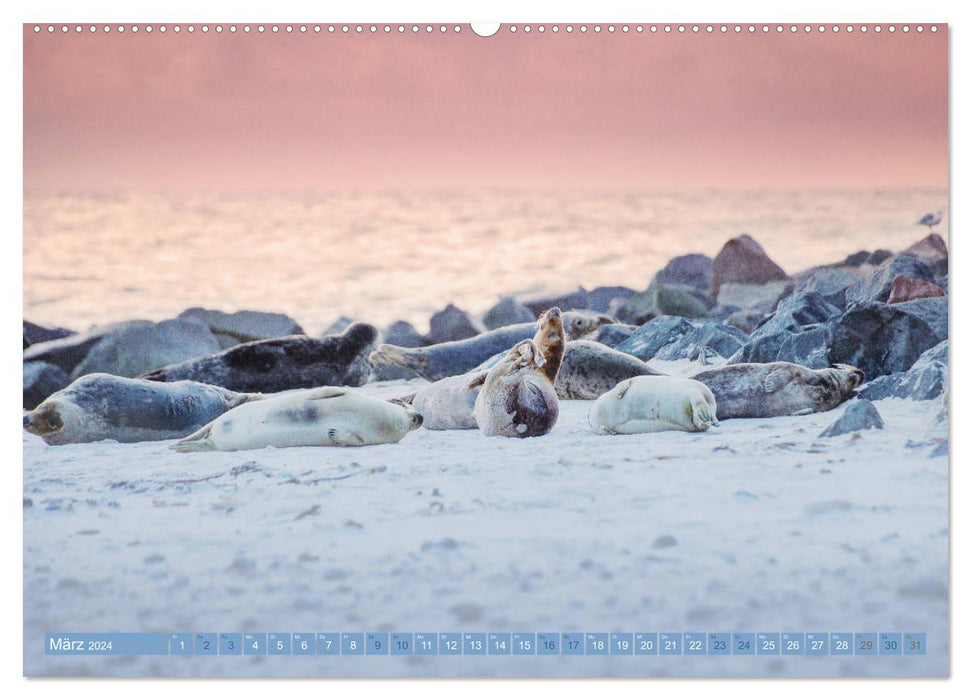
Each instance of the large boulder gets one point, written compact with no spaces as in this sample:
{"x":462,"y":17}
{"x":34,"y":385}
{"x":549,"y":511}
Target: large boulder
{"x":932,"y":250}
{"x":926,"y":380}
{"x":876,"y":286}
{"x":404,"y":335}
{"x":137,"y":349}
{"x":859,"y":415}
{"x":746,"y":320}
{"x":661,"y":299}
{"x":243,"y":326}
{"x":538,"y":303}
{"x":645,"y":342}
{"x":34,"y":334}
{"x":41,"y":379}
{"x":68,"y":352}
{"x":692,"y":270}
{"x":743,"y":261}
{"x":704,"y":341}
{"x":761,"y":297}
{"x":451,"y":323}
{"x":829,"y":281}
{"x":507,"y":312}
{"x":904,"y":288}
{"x":613,"y":334}
{"x":606,"y":299}
{"x":337,"y":327}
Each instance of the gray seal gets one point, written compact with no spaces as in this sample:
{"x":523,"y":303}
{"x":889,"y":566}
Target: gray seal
{"x":105,"y":407}
{"x":442,"y":360}
{"x":281,"y":364}
{"x":773,"y":389}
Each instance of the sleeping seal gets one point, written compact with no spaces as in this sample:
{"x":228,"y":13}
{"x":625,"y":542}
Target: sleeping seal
{"x":778,"y":388}
{"x":442,"y":360}
{"x":652,"y":405}
{"x":325,"y":416}
{"x":517,"y":398}
{"x":105,"y":407}
{"x":281,"y":364}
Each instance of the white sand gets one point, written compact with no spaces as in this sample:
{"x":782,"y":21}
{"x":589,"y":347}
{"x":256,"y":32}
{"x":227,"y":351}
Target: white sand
{"x":769,"y":529}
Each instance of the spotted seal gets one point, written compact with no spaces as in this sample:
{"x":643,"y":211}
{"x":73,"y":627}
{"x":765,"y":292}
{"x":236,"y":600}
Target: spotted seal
{"x":105,"y":407}
{"x":653,"y":405}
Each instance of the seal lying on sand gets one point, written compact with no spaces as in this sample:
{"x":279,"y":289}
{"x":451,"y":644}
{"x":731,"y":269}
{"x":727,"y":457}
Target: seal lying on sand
{"x":652,"y":405}
{"x":325,"y":416}
{"x":442,"y":360}
{"x":105,"y":407}
{"x":517,"y":398}
{"x":778,"y":388}
{"x":281,"y":364}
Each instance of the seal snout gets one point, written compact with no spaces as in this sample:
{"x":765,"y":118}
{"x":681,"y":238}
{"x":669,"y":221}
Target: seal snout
{"x":554,"y":312}
{"x":417,"y":419}
{"x":26,"y":420}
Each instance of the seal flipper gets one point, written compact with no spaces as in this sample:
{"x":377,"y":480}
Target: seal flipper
{"x":478,"y":380}
{"x":199,"y":441}
{"x":776,"y":380}
{"x":703,"y":415}
{"x":342,"y":437}
{"x":412,"y":358}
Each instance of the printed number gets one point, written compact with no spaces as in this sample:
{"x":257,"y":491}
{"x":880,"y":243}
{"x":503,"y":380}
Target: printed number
{"x":646,"y":645}
{"x":232,"y":645}
{"x":670,"y":645}
{"x":842,"y":645}
{"x":768,"y":645}
{"x":182,"y":646}
{"x":525,"y":645}
{"x":549,"y":645}
{"x":426,"y":645}
{"x":303,"y":646}
{"x":476,"y":645}
{"x":452,"y":645}
{"x":694,"y":646}
{"x":817,"y":644}
{"x":500,"y":645}
{"x":914,"y":645}
{"x":623,"y":645}
{"x":866,"y":645}
{"x":353,"y":645}
{"x":719,"y":645}
{"x":890,"y":644}
{"x":403,"y":644}
{"x":792,"y":645}
{"x":743,"y":645}
{"x":598,"y":644}
{"x":205,"y":645}
{"x":574,"y":643}
{"x":377,"y":644}
{"x":256,"y":645}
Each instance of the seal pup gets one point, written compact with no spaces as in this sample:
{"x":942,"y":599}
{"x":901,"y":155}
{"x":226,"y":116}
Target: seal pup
{"x":325,"y":416}
{"x":441,"y":360}
{"x":449,"y":404}
{"x":105,"y":407}
{"x":751,"y":390}
{"x":517,"y":398}
{"x":653,"y":405}
{"x":281,"y":364}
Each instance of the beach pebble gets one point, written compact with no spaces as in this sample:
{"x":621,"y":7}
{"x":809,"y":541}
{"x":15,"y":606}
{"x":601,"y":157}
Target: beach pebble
{"x":507,"y":312}
{"x":41,"y":379}
{"x":135,"y":349}
{"x":34,"y":334}
{"x":451,"y":323}
{"x":243,"y":326}
{"x":859,"y":415}
{"x":743,"y":261}
{"x":904,"y":288}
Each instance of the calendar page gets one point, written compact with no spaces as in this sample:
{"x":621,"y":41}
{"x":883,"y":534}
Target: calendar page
{"x":509,"y":350}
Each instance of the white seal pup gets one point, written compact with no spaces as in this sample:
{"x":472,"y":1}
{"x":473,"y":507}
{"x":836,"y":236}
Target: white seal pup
{"x":449,"y":404}
{"x":517,"y":398}
{"x":434,"y":362}
{"x":751,"y":390}
{"x":326,"y":416}
{"x":653,"y":405}
{"x":105,"y":407}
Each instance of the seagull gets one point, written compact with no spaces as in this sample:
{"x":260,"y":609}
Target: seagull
{"x":930,"y":220}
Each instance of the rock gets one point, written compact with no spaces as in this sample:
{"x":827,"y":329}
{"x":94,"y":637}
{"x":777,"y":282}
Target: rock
{"x":693,"y":270}
{"x":926,"y":380}
{"x":743,"y":261}
{"x":34,"y":334}
{"x":859,"y":415}
{"x":451,"y":323}
{"x":745,"y":320}
{"x":664,"y":300}
{"x":337,"y":327}
{"x":243,"y":326}
{"x":876,"y":286}
{"x":68,"y":352}
{"x":856,"y":259}
{"x":931,"y":248}
{"x":904,"y":288}
{"x":931,"y":310}
{"x":507,"y":312}
{"x":762,"y":297}
{"x":613,"y":334}
{"x":878,"y":257}
{"x":577,"y":299}
{"x":703,"y":341}
{"x":830,"y":282}
{"x":645,"y":342}
{"x":602,"y":299}
{"x":403,"y":334}
{"x":796,"y":312}
{"x":137,"y":349}
{"x":41,"y":379}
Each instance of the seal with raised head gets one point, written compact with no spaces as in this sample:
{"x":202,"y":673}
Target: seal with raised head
{"x":751,"y":390}
{"x":325,"y":416}
{"x":435,"y":362}
{"x":517,"y":398}
{"x":281,"y":364}
{"x":653,"y":405}
{"x":105,"y":407}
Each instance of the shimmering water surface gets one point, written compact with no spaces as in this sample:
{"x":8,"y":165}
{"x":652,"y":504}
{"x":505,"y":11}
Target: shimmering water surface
{"x":96,"y":258}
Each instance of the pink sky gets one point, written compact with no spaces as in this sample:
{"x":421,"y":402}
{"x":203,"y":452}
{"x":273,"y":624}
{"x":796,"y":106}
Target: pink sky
{"x":638,"y":111}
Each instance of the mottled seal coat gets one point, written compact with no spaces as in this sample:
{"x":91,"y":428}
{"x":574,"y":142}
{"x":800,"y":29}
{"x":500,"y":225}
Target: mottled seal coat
{"x":281,"y":364}
{"x":778,"y":388}
{"x":325,"y":416}
{"x":517,"y":398}
{"x":653,"y":405}
{"x":590,"y":369}
{"x":442,"y":360}
{"x":105,"y":407}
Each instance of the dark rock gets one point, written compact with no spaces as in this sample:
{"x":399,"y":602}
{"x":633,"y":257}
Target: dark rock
{"x":796,"y":312}
{"x":926,"y":380}
{"x":452,"y":323}
{"x":243,"y":326}
{"x":761,"y":297}
{"x":879,"y":256}
{"x":876,"y":286}
{"x":337,"y":327}
{"x":34,"y":334}
{"x":613,"y":334}
{"x":664,"y":300}
{"x":577,"y":299}
{"x":41,"y":379}
{"x":602,"y":299}
{"x":507,"y":312}
{"x":830,"y":282}
{"x":137,"y":349}
{"x":68,"y":352}
{"x":859,"y":415}
{"x":403,"y":334}
{"x":743,"y":261}
{"x":645,"y":342}
{"x":904,"y":288}
{"x":745,"y":320}
{"x":931,"y":248}
{"x":856,"y":259}
{"x":703,"y":341}
{"x":693,"y":270}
